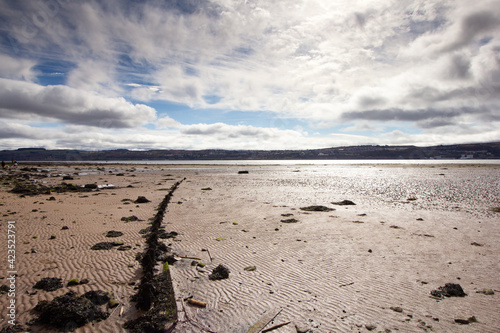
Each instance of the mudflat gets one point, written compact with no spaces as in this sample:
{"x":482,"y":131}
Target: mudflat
{"x":315,"y":248}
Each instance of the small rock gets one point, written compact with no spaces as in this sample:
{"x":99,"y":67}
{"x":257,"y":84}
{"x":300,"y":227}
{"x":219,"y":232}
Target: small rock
{"x":396,"y":309}
{"x":242,"y":172}
{"x":65,"y":227}
{"x":250,"y":268}
{"x":290,"y":221}
{"x":370,"y":327}
{"x":476,"y":244}
{"x":141,"y":199}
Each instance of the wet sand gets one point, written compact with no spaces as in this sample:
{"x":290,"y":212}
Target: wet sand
{"x":412,"y":230}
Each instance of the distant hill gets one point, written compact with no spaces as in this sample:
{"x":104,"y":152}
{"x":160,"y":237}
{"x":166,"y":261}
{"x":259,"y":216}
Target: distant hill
{"x":462,"y":151}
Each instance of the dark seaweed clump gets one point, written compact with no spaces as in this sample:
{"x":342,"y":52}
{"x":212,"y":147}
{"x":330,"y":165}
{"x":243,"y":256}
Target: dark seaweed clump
{"x":49,"y":284}
{"x":449,"y":290}
{"x":317,"y":209}
{"x":68,"y":312}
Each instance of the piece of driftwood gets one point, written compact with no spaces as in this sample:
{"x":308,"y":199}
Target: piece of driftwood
{"x":264,"y":320}
{"x":196,"y":303}
{"x":275,"y":327}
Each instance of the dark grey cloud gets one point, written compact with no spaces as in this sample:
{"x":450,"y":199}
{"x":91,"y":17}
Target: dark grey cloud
{"x":26,"y":100}
{"x":424,"y":118}
{"x":471,"y":26}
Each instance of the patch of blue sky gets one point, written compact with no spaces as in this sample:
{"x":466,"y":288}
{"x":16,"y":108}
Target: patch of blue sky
{"x":53,"y":72}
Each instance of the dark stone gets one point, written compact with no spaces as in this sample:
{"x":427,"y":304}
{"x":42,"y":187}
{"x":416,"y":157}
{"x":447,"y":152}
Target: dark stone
{"x":449,"y":290}
{"x":68,"y":312}
{"x":141,"y":199}
{"x":317,"y":209}
{"x":113,"y":233}
{"x":49,"y":284}
{"x":84,"y":281}
{"x":242,"y":172}
{"x":344,"y":203}
{"x":65,"y":227}
{"x":67,"y":178}
{"x":124,"y":248}
{"x":219,"y":273}
{"x":290,"y":221}
{"x":91,"y":186}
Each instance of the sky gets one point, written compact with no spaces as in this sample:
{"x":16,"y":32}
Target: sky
{"x":248,"y":74}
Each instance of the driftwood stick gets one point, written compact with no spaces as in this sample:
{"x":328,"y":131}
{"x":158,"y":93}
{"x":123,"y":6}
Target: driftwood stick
{"x":263,"y":321}
{"x":272,"y":328}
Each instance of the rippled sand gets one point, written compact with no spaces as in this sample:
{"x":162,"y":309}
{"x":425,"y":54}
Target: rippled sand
{"x":410,"y":232}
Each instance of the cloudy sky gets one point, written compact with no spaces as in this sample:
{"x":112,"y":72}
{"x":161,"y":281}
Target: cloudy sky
{"x":248,"y":74}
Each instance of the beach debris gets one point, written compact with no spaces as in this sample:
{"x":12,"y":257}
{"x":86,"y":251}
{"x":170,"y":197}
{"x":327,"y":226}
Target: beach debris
{"x":476,"y":244}
{"x":250,"y":268}
{"x":292,"y":220}
{"x":275,"y":327}
{"x":65,"y":227}
{"x":105,"y":245}
{"x":124,"y":248}
{"x":241,"y":172}
{"x":68,"y":312}
{"x":206,"y":189}
{"x":467,"y":321}
{"x":49,"y":284}
{"x":141,"y":199}
{"x":132,"y":218}
{"x":344,"y":203}
{"x":208,"y":252}
{"x":485,"y":291}
{"x":52,"y":237}
{"x":219,"y":273}
{"x":90,"y":186}
{"x":197,"y":303}
{"x":287,"y":215}
{"x":449,"y":290}
{"x":396,"y":309}
{"x":316,"y":209}
{"x":113,"y":233}
{"x":264,"y":320}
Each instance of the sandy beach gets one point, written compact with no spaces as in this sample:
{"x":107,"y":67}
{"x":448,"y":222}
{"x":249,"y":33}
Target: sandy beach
{"x":365,"y":267}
